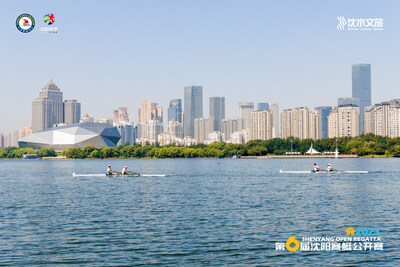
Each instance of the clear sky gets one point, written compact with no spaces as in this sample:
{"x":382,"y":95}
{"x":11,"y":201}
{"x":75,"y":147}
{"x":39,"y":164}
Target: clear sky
{"x":108,"y":54}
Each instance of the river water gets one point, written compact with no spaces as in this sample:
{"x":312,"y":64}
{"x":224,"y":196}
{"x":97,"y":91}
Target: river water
{"x":205,"y":212}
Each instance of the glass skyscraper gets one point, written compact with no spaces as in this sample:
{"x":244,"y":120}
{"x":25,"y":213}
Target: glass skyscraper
{"x":324,"y":113}
{"x":262,"y":106}
{"x":361,"y":81}
{"x":193,"y":108}
{"x":175,"y":110}
{"x":217,"y":111}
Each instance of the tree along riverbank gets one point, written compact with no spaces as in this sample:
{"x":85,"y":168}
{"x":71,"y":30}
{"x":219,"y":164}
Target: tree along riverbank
{"x":365,"y":145}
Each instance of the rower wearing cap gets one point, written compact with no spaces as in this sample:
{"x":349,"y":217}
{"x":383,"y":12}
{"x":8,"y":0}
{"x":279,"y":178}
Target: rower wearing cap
{"x":329,"y":168}
{"x":109,"y":170}
{"x":125,"y":170}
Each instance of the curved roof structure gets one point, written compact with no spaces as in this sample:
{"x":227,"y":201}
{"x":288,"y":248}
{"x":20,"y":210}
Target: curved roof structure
{"x":79,"y":135}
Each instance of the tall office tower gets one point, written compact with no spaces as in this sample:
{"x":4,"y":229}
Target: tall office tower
{"x":156,"y":112}
{"x":154,"y":128}
{"x":230,"y":126}
{"x":193,"y":108}
{"x":361,"y":84}
{"x":344,"y":121}
{"x":120,"y":115}
{"x":345,"y":101}
{"x":324,"y":113}
{"x":262,"y":106}
{"x":383,"y":119}
{"x":261,"y":125}
{"x":1,"y":140}
{"x":175,"y":110}
{"x":145,"y":111}
{"x":202,"y":127}
{"x":245,"y":109}
{"x":72,"y":111}
{"x":217,"y":111}
{"x":274,"y":107}
{"x":51,"y":91}
{"x":128,"y":132}
{"x":175,"y":128}
{"x":300,"y":123}
{"x":42,"y":114}
{"x":115,"y":116}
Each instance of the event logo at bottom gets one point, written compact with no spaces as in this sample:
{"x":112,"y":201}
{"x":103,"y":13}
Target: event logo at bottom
{"x":25,"y":23}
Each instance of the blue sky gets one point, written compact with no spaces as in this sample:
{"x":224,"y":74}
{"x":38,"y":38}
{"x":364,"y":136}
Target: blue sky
{"x":108,"y":54}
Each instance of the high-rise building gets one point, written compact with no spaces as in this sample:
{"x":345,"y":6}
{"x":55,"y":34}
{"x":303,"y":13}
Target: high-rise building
{"x":175,"y":110}
{"x":193,"y":108}
{"x":1,"y":140}
{"x":145,"y":111}
{"x":42,"y":114}
{"x":202,"y":127}
{"x":245,"y":109}
{"x":156,"y":112}
{"x":230,"y":126}
{"x":261,"y":125}
{"x":175,"y":128}
{"x":274,"y":107}
{"x":120,"y":115}
{"x":51,"y":91}
{"x":217,"y":111}
{"x":383,"y":119}
{"x":344,"y":121}
{"x":324,"y":113}
{"x":300,"y":123}
{"x":128,"y":132}
{"x":346,"y":101}
{"x":72,"y":111}
{"x":262,"y":106}
{"x":361,"y":85}
{"x":27,"y":130}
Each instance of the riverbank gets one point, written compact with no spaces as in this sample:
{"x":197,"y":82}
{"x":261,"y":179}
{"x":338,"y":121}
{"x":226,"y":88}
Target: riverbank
{"x":300,"y":156}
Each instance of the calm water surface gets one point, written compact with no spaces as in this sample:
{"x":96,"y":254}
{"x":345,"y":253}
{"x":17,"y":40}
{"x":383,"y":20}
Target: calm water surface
{"x":202,"y":213}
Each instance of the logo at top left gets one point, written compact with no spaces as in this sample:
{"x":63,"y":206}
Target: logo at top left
{"x":25,"y":23}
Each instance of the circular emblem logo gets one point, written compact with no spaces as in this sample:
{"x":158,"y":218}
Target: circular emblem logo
{"x":25,"y":23}
{"x":49,"y":19}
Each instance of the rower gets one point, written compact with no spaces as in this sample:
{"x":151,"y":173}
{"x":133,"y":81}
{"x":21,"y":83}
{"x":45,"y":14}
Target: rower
{"x":109,"y":171}
{"x":316,"y":168}
{"x":125,"y":170}
{"x":329,"y":168}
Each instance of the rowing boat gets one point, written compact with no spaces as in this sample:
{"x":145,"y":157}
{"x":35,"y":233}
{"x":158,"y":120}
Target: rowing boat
{"x":299,"y":172}
{"x":117,"y":174}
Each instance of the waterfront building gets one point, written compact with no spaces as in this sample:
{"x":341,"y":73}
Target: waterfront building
{"x":202,"y":127}
{"x":72,"y":111}
{"x":128,"y":132}
{"x":175,"y":110}
{"x":99,"y":135}
{"x":145,"y":111}
{"x":238,"y":138}
{"x":193,"y":108}
{"x":343,"y":121}
{"x":215,"y":136}
{"x":51,"y":91}
{"x":361,"y":88}
{"x":262,"y":106}
{"x":149,"y":131}
{"x":217,"y":111}
{"x":42,"y":114}
{"x":383,"y":119}
{"x":245,"y":109}
{"x":175,"y":128}
{"x":261,"y":125}
{"x":300,"y":123}
{"x":229,"y":126}
{"x":324,"y":113}
{"x":274,"y":108}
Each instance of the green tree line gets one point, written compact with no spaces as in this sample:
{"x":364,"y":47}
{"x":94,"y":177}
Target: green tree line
{"x":364,"y":145}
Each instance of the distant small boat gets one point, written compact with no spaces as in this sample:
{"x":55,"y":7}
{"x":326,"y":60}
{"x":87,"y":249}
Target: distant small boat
{"x":299,"y":172}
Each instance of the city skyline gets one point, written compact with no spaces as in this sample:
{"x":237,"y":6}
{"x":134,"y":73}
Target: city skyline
{"x":290,"y":54}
